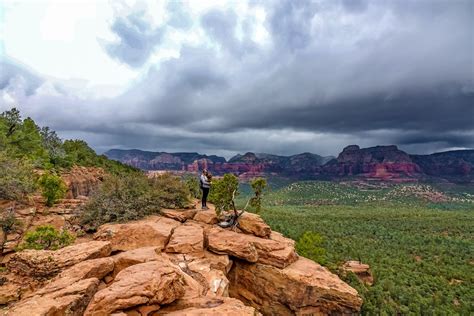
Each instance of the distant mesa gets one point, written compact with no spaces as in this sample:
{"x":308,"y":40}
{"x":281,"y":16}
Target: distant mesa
{"x":380,"y":163}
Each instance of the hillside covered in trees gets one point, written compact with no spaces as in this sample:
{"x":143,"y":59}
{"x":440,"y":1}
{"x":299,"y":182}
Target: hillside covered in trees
{"x":22,"y":141}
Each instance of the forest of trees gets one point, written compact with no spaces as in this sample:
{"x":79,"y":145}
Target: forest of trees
{"x":32,"y":159}
{"x":22,"y":141}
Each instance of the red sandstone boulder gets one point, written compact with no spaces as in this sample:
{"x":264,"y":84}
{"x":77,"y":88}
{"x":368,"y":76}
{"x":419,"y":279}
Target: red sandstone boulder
{"x":303,"y":287}
{"x":179,"y":215}
{"x":131,"y":257}
{"x":151,"y":232}
{"x":206,"y":216}
{"x":71,"y":300}
{"x":253,"y":224}
{"x":251,"y":248}
{"x":68,"y":293}
{"x":95,"y":268}
{"x":47,"y":263}
{"x":149,"y":283}
{"x":213,"y":280}
{"x":187,"y":238}
{"x":227,"y":242}
{"x":208,"y":306}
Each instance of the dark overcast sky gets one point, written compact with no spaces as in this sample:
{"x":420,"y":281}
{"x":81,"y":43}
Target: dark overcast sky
{"x":325,"y":74}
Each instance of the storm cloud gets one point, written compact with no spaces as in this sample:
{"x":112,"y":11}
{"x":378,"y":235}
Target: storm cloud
{"x":308,"y":76}
{"x":136,"y":39}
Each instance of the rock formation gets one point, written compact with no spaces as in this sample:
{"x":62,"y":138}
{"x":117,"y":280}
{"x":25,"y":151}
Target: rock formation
{"x":457,"y":165}
{"x":361,"y":270}
{"x":246,"y":166}
{"x":385,"y":163}
{"x":82,"y":181}
{"x":175,"y":264}
{"x":380,"y":162}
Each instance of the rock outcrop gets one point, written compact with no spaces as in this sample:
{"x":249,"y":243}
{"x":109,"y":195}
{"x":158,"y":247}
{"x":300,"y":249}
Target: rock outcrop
{"x":361,"y":270}
{"x":67,"y":294}
{"x":456,"y":165}
{"x":252,"y":224}
{"x":380,"y":162}
{"x":180,"y":266}
{"x":154,"y":231}
{"x":47,"y":263}
{"x":71,"y":300}
{"x":187,"y":238}
{"x":302,"y":288}
{"x":61,"y":216}
{"x":209,"y":306}
{"x":82,"y":181}
{"x":150,"y":283}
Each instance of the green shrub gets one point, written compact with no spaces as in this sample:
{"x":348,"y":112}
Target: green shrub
{"x":17,"y":178}
{"x":8,"y":223}
{"x":52,"y":188}
{"x":47,"y":238}
{"x":169,"y":191}
{"x":132,"y":196}
{"x":309,"y":245}
{"x":258,"y":185}
{"x":223,"y":192}
{"x":192,"y":183}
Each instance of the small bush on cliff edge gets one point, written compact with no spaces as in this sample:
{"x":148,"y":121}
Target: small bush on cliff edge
{"x":169,"y":191}
{"x":46,"y":238}
{"x":223,"y":192}
{"x":52,"y":188}
{"x":8,"y":223}
{"x":132,"y":196}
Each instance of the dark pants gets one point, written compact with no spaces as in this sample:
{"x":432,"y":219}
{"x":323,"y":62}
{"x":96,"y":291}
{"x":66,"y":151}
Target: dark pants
{"x":205,"y":193}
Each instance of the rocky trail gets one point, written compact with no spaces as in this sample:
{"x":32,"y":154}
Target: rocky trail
{"x":177,"y":263}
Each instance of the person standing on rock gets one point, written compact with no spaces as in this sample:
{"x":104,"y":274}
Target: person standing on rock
{"x":205,"y":187}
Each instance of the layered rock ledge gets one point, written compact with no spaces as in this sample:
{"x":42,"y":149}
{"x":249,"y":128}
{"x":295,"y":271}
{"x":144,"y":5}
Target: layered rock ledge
{"x":179,"y":263}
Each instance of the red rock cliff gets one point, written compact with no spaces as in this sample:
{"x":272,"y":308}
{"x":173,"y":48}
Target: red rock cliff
{"x":82,"y":181}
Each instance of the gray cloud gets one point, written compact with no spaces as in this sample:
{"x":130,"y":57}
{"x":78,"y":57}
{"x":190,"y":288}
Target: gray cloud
{"x":221,"y":28}
{"x":16,"y":78}
{"x":136,"y":39}
{"x":332,"y":74}
{"x":290,"y":23}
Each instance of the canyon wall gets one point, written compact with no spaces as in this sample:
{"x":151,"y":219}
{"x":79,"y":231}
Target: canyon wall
{"x":386,"y":163}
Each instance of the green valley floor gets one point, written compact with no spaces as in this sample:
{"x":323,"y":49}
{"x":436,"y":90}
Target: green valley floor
{"x":417,"y":239}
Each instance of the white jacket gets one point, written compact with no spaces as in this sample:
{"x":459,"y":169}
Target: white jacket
{"x":204,"y":182}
